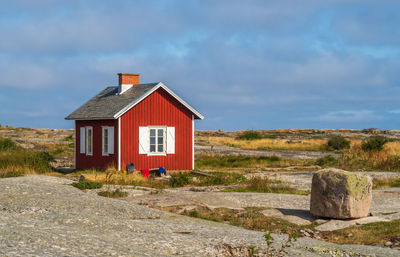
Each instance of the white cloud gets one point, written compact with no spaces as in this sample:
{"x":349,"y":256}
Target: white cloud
{"x":349,"y":116}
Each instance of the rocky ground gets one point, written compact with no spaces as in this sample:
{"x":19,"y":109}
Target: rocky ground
{"x":293,"y":208}
{"x":287,"y":154}
{"x":45,"y":216}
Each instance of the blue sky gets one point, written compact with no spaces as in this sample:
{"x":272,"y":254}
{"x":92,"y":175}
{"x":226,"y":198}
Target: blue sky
{"x":251,"y":64}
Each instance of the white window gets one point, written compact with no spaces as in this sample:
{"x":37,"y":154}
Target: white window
{"x":107,"y":140}
{"x":156,"y":140}
{"x":89,"y":140}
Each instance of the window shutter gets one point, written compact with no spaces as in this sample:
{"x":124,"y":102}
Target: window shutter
{"x":170,"y":140}
{"x":82,"y":136}
{"x":111,"y":140}
{"x":143,"y":140}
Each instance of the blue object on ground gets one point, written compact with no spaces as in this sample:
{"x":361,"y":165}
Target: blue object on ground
{"x":162,"y":170}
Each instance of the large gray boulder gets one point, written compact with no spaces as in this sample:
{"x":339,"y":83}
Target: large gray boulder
{"x":340,"y":194}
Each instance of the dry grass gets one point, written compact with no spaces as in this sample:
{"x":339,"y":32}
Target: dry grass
{"x":251,"y":219}
{"x":15,"y":171}
{"x":114,"y":177}
{"x":367,"y":234}
{"x":357,"y":159}
{"x":386,"y":183}
{"x":267,"y":143}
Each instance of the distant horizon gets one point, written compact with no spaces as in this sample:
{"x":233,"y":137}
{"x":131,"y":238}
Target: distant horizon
{"x":242,"y":64}
{"x":227,"y":130}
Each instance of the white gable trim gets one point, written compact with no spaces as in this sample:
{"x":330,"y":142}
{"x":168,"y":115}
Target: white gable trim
{"x":131,"y":105}
{"x":192,"y":142}
{"x":119,"y":143}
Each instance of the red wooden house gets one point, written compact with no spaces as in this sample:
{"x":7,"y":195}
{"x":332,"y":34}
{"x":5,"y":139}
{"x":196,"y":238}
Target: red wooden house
{"x":145,"y":124}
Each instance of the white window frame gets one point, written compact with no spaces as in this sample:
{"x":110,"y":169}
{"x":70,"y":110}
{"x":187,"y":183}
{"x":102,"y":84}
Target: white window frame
{"x":89,"y":128}
{"x":104,"y":141}
{"x":164,"y":152}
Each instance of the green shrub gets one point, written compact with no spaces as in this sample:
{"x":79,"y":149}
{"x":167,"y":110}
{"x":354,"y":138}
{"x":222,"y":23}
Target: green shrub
{"x":69,"y":138}
{"x":193,"y":213}
{"x":220,"y":178}
{"x":180,"y":179}
{"x":328,"y":160}
{"x":87,"y":185}
{"x":37,"y":161}
{"x":338,"y":143}
{"x":7,"y":144}
{"x":113,"y":194}
{"x":374,"y":143}
{"x":249,"y":135}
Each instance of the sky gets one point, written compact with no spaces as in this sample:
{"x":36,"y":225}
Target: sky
{"x":243,"y":64}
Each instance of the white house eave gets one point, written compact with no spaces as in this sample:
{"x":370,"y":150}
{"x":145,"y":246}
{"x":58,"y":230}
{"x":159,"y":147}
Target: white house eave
{"x":160,"y":84}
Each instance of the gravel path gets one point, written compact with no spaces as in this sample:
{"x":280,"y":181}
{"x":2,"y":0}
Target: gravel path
{"x":44,"y":216}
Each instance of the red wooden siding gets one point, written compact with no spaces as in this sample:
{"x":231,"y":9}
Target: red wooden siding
{"x":158,"y":109}
{"x":97,"y":160}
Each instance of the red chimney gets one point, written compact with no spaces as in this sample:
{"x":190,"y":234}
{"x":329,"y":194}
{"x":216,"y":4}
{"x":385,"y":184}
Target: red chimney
{"x":127,"y":80}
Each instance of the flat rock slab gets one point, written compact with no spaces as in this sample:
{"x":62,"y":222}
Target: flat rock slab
{"x":44,"y":216}
{"x":224,"y":199}
{"x":298,"y":217}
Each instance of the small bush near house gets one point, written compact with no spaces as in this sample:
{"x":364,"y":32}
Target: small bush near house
{"x":87,"y":185}
{"x":117,"y":193}
{"x":375,"y":143}
{"x":328,"y":160}
{"x":338,"y":143}
{"x":180,"y":179}
{"x":249,"y":135}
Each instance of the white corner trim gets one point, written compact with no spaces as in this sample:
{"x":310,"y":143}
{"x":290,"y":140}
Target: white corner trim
{"x":119,"y":143}
{"x":192,"y":142}
{"x":160,"y":84}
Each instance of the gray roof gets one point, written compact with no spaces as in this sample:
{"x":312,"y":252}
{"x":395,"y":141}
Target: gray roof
{"x":108,"y":103}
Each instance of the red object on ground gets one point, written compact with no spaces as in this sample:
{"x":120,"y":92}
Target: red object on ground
{"x":145,"y":173}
